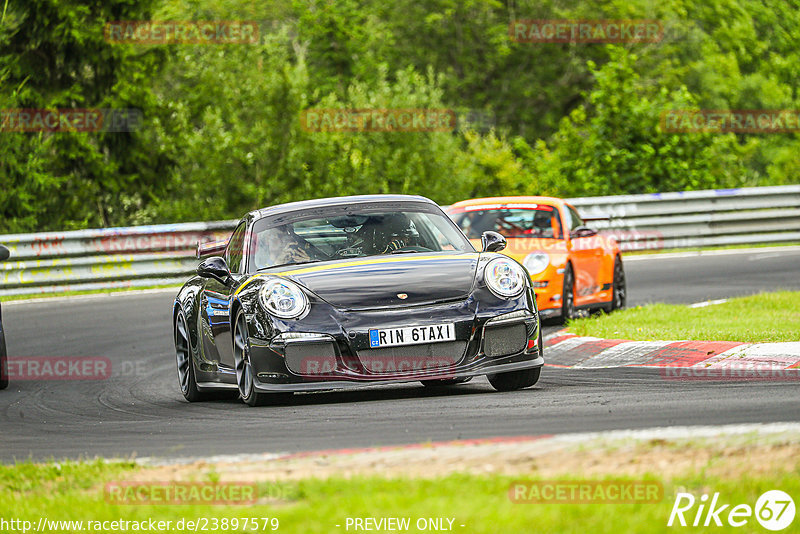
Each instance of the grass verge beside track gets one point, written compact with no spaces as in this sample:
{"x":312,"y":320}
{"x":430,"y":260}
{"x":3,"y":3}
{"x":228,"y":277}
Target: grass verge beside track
{"x":79,"y":293}
{"x":709,"y":249}
{"x":761,"y":318}
{"x":474,"y":494}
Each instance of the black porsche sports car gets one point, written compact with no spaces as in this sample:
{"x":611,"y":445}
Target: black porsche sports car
{"x":3,"y":356}
{"x":342,"y":292}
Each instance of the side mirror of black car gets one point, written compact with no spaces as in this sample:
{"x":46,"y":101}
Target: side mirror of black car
{"x":214,"y":267}
{"x":583,"y":231}
{"x":492,"y":241}
{"x":4,"y":253}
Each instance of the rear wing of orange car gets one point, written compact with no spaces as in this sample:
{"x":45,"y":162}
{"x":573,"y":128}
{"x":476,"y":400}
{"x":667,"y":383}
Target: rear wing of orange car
{"x":211,"y":248}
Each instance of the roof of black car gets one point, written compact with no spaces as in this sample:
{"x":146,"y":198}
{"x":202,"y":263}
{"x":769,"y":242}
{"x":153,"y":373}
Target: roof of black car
{"x":333,"y":201}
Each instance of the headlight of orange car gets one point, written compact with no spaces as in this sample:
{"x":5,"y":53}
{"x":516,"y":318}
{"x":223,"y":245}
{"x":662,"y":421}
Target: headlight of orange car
{"x":536,"y":262}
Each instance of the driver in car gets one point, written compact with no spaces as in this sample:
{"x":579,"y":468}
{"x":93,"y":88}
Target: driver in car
{"x":542,"y":223}
{"x":399,"y":230}
{"x":279,"y":246}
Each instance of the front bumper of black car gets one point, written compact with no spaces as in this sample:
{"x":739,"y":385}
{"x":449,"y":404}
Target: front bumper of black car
{"x":487,"y":342}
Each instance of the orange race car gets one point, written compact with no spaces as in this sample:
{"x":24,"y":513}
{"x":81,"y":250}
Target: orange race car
{"x":572,"y":267}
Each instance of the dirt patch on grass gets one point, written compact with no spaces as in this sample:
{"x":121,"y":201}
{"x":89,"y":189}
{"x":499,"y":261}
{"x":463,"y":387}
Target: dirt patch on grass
{"x":588,"y":455}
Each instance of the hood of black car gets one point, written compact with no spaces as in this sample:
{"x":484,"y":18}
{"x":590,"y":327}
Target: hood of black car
{"x":393,"y":280}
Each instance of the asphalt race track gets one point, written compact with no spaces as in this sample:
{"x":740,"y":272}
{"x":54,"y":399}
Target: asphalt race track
{"x":139,"y":410}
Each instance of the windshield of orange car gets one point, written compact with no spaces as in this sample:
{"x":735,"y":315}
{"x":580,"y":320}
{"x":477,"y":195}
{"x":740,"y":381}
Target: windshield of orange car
{"x":535,"y":220}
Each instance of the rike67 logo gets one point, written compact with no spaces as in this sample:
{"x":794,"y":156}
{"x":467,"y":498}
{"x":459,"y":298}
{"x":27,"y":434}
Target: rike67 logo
{"x":774,"y":510}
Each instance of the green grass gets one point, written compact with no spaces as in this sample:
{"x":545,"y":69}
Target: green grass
{"x":9,"y":298}
{"x":762,"y":318}
{"x":74,"y":491}
{"x":708,"y":249}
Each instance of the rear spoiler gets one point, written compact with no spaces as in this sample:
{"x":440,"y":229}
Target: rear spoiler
{"x":211,"y":248}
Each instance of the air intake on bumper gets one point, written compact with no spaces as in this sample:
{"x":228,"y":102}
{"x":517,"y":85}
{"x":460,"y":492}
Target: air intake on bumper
{"x":503,"y":340}
{"x":307,"y":354}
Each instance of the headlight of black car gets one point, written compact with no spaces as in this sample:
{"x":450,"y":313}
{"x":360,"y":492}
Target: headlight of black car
{"x":283,"y":298}
{"x":504,"y":277}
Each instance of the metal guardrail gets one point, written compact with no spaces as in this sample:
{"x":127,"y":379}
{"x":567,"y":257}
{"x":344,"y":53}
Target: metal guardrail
{"x":698,"y":218}
{"x":165,"y":254}
{"x":138,"y":256}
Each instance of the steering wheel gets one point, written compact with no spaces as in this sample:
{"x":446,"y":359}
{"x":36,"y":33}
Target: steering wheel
{"x":349,"y":252}
{"x":509,"y":226}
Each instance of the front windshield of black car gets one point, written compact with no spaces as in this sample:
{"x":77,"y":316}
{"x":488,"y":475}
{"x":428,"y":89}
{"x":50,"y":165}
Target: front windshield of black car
{"x":344,"y":233}
{"x":534,"y":220}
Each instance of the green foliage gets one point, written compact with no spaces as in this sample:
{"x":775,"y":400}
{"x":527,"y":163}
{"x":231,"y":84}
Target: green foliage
{"x":53,"y":56}
{"x":490,"y":167}
{"x":261,"y":154}
{"x":614,"y":142}
{"x":222,"y":131}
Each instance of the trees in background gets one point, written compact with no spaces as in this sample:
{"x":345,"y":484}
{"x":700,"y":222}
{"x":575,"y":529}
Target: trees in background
{"x":222,"y":131}
{"x":53,"y":56}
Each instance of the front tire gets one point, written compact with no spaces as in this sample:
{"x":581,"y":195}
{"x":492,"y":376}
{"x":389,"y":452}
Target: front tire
{"x":3,"y":370}
{"x":620,"y":292}
{"x":3,"y":359}
{"x":244,"y":368}
{"x":568,"y":296}
{"x":514,"y":380}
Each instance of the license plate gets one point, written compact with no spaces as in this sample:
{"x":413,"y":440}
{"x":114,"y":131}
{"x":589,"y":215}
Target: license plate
{"x":411,"y":335}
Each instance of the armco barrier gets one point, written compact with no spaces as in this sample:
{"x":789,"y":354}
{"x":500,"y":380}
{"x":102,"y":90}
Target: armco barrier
{"x":698,"y":218}
{"x":164,"y":254}
{"x":96,"y":259}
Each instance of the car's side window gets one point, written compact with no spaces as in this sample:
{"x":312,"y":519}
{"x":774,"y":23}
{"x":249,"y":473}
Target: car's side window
{"x":574,"y":219}
{"x":234,"y":252}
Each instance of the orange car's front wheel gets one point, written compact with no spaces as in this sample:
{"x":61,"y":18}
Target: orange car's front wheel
{"x":620,"y":288}
{"x":568,"y":295}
